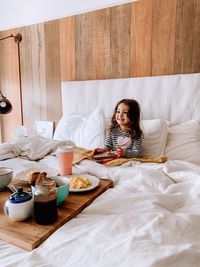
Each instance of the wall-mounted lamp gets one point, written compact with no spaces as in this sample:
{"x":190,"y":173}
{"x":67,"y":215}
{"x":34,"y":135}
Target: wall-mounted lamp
{"x":5,"y":104}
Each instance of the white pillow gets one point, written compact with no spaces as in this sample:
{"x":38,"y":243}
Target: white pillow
{"x":183,"y":142}
{"x":155,"y":136}
{"x":84,"y":131}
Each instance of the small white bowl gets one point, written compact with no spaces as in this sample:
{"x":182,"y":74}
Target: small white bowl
{"x":6,"y":175}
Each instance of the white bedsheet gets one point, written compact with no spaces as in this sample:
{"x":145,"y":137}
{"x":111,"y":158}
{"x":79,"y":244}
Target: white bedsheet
{"x":150,"y":218}
{"x":33,"y":147}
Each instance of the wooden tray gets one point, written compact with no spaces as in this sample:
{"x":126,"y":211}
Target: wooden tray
{"x":29,"y":235}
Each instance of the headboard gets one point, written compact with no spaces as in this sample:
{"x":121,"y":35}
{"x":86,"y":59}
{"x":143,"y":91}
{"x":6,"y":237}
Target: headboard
{"x":175,"y":98}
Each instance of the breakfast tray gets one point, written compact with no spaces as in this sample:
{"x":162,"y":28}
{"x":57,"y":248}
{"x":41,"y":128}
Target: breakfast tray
{"x":29,"y":235}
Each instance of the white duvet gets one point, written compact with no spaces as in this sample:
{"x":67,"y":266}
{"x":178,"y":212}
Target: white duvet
{"x":151,"y":217}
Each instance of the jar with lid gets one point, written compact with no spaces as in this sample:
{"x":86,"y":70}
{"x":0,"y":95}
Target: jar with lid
{"x":19,"y":205}
{"x":45,"y":198}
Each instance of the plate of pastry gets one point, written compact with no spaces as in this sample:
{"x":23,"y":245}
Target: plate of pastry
{"x":82,"y":182}
{"x":24,"y":175}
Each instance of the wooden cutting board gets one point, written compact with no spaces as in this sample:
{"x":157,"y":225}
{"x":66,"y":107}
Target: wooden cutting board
{"x":29,"y":235}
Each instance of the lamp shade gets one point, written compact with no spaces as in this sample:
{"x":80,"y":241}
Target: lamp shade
{"x":5,"y":105}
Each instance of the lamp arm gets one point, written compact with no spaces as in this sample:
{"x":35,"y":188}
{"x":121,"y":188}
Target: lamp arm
{"x":1,"y":94}
{"x":17,"y":37}
{"x":6,"y":37}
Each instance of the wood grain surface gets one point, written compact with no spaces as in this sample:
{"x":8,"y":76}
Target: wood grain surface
{"x":101,"y":44}
{"x":187,"y":43}
{"x":29,"y":235}
{"x":163,"y":36}
{"x":141,"y":39}
{"x":67,"y":48}
{"x":83,"y":45}
{"x":120,"y":41}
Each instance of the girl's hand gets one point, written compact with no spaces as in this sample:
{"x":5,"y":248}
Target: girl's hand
{"x":99,"y":150}
{"x":120,"y":153}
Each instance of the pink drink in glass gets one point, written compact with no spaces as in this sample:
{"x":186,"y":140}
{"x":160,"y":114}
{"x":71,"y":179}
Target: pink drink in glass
{"x":65,"y":159}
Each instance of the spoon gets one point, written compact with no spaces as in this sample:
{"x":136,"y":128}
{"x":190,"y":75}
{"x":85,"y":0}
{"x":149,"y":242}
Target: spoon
{"x":12,"y":188}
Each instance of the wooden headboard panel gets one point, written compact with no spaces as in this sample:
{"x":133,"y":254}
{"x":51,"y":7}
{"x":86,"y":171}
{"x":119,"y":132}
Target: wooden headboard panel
{"x":172,"y":97}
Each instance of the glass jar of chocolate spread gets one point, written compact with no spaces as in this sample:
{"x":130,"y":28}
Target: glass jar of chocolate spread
{"x":45,"y":198}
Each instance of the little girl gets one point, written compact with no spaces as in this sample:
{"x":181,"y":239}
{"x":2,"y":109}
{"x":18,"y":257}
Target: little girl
{"x":124,"y":137}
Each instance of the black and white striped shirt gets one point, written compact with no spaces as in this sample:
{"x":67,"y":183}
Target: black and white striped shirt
{"x":116,"y":137}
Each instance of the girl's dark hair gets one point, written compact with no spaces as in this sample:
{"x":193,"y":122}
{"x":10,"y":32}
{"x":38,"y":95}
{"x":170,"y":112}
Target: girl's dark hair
{"x":133,"y":115}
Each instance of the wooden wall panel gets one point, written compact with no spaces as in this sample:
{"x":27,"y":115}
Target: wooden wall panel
{"x":33,"y":75}
{"x":101,"y":44}
{"x":83,"y":56}
{"x":52,"y":67}
{"x":38,"y":72}
{"x":187,"y":55}
{"x":141,"y":38}
{"x":67,"y":48}
{"x":163,"y":36}
{"x":120,"y":41}
{"x":27,"y":77}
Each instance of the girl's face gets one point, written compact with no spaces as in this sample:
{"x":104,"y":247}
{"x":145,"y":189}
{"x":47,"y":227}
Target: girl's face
{"x":121,"y":115}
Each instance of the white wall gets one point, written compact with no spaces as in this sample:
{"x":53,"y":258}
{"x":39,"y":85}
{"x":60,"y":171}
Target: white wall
{"x":18,"y":13}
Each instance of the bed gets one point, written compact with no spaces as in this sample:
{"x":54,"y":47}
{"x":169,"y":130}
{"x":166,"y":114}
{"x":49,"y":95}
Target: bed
{"x":151,"y":216}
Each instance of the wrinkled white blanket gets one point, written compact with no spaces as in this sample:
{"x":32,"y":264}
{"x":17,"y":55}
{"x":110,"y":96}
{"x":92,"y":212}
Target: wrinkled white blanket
{"x":33,"y":148}
{"x":150,"y":218}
